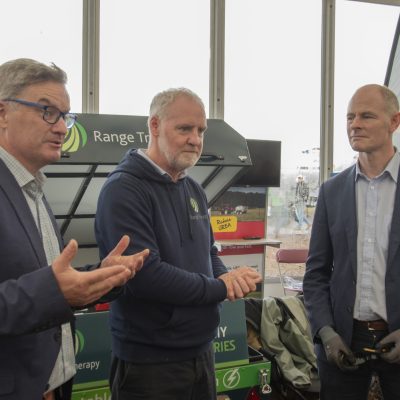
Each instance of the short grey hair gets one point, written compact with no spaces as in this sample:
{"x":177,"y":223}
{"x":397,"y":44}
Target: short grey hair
{"x":163,"y":99}
{"x":389,"y":97}
{"x":16,"y":75}
{"x":391,"y":100}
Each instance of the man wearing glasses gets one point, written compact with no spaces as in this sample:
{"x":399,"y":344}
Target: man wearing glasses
{"x":38,"y":285}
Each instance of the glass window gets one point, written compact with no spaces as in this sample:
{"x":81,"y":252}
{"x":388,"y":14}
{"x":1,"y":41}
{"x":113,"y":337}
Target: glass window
{"x":272,"y":92}
{"x":148,"y":46}
{"x":363,"y":41}
{"x":42,"y":32}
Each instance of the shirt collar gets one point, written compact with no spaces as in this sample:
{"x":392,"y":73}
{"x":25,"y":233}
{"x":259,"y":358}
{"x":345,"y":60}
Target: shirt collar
{"x":392,"y":168}
{"x":21,"y":174}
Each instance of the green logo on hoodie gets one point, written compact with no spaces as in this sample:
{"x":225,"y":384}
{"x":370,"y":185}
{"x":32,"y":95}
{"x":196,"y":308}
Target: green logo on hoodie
{"x":194,"y":205}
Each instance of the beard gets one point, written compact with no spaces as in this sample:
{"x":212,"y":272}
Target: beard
{"x":180,"y":162}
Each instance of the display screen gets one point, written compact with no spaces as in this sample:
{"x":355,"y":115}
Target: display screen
{"x":266,"y":170}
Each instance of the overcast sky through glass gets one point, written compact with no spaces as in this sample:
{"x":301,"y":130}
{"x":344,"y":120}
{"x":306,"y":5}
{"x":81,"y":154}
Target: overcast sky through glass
{"x":273,"y":73}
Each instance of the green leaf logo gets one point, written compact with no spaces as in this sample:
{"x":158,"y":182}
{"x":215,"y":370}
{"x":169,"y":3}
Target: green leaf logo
{"x":75,"y":139}
{"x":194,"y":205}
{"x":79,"y":341}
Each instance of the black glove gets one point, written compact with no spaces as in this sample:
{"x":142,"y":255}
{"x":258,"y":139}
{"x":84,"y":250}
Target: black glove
{"x":336,"y":350}
{"x":392,"y":355}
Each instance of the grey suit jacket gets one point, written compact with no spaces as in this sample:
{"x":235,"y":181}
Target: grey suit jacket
{"x":331,"y":272}
{"x":32,"y":307}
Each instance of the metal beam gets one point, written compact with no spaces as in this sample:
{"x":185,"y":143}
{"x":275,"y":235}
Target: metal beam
{"x":217,"y":58}
{"x":90,"y":56}
{"x":327,"y":89}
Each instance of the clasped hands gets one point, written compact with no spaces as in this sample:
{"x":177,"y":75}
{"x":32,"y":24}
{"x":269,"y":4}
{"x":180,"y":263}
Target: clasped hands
{"x":84,"y":287}
{"x":240,"y":281}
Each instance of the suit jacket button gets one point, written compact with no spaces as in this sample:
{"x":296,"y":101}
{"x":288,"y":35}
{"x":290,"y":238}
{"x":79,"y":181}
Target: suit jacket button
{"x":349,"y":309}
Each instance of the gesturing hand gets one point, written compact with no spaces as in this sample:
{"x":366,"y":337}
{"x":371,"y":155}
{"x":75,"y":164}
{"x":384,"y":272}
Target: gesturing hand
{"x":81,"y":288}
{"x":393,"y":355}
{"x":240,"y":281}
{"x":134,"y":262}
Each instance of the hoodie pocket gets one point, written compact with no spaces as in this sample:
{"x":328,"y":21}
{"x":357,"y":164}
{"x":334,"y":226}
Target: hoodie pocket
{"x":191,"y":326}
{"x":7,"y":384}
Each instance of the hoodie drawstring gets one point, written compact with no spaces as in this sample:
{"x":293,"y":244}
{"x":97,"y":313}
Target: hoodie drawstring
{"x":176,"y":216}
{"x":188,"y":214}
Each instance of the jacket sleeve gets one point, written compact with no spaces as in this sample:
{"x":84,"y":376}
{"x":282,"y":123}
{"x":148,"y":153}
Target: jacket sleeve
{"x":316,"y":283}
{"x":32,"y":303}
{"x":125,"y":208}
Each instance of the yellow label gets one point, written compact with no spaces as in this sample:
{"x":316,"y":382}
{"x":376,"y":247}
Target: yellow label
{"x":224,"y":223}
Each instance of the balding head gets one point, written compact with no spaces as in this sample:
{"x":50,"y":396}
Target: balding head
{"x":390,"y":101}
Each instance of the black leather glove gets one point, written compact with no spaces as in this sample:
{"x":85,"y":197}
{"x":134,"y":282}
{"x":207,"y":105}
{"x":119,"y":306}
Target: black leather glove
{"x":392,"y":355}
{"x":336,"y":350}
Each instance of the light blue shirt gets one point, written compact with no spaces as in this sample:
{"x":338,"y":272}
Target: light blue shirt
{"x":375,"y":201}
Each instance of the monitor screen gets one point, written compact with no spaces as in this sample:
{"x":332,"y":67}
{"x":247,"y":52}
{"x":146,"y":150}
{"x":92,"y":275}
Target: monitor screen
{"x":266,"y":170}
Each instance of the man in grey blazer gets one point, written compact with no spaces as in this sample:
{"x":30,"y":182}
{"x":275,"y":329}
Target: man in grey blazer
{"x":38,"y":285}
{"x":352,"y":280}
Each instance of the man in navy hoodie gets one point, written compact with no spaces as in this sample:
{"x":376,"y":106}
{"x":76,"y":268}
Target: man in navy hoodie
{"x":164,"y":322}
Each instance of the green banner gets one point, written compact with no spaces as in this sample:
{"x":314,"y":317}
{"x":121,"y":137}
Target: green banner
{"x":241,"y":377}
{"x":94,"y":394}
{"x":230,"y":345}
{"x":93,"y":350}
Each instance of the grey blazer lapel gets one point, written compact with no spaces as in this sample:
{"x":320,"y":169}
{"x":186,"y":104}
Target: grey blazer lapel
{"x":12,"y":191}
{"x":394,"y":238}
{"x":350,"y":217}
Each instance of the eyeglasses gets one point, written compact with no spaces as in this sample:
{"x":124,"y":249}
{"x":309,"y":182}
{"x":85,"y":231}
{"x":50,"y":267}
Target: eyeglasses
{"x":50,"y":114}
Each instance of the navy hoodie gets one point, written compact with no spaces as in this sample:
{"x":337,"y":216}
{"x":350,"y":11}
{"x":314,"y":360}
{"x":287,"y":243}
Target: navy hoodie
{"x":170,"y":310}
